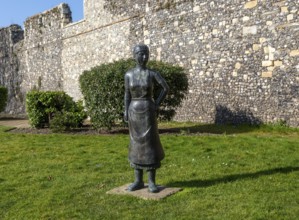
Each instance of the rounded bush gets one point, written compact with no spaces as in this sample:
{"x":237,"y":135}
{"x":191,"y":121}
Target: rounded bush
{"x":103,"y":91}
{"x":65,"y":120}
{"x":43,"y":107}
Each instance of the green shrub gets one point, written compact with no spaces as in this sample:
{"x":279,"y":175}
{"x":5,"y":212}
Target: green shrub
{"x":66,"y":120}
{"x":178,"y":84}
{"x":3,"y":98}
{"x":103,"y":90}
{"x":56,"y":110}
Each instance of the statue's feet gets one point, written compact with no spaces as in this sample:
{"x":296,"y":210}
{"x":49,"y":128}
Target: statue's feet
{"x":153,"y":188}
{"x":135,"y":186}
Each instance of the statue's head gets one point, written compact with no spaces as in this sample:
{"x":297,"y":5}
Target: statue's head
{"x":141,"y":54}
{"x":140,"y":47}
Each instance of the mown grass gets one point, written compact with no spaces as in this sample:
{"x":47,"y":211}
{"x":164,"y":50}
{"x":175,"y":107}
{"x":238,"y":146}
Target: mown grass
{"x":242,"y":172}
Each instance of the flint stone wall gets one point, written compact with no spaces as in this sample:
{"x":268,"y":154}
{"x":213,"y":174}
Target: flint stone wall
{"x":10,"y":40}
{"x":241,"y":57}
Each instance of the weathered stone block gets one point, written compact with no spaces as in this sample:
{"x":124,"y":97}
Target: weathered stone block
{"x":290,"y":17}
{"x":147,"y":41}
{"x":266,"y":50}
{"x":194,"y":62}
{"x":256,"y":47}
{"x":279,"y":3}
{"x":146,"y":32}
{"x":215,"y":32}
{"x":250,"y":30}
{"x":191,"y":42}
{"x":284,"y":9}
{"x":267,"y":63}
{"x":235,"y":20}
{"x":234,"y":73}
{"x":159,"y":50}
{"x":222,"y":23}
{"x":278,"y":63}
{"x":262,"y":40}
{"x":294,"y":53}
{"x":246,"y":18}
{"x":271,"y":68}
{"x":238,"y":66}
{"x":288,"y":25}
{"x":196,"y":8}
{"x":267,"y":74}
{"x":250,"y":4}
{"x":272,"y":51}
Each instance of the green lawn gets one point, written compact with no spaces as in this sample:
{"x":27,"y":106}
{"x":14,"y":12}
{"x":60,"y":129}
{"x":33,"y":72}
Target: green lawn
{"x":240,"y":173}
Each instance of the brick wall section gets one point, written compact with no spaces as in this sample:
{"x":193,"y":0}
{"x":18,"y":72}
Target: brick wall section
{"x":241,"y":57}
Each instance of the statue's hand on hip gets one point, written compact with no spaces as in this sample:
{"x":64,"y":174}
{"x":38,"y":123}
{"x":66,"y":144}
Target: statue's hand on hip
{"x":126,"y":117}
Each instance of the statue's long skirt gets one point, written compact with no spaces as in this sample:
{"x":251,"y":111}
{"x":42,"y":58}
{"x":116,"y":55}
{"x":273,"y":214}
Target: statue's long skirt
{"x":145,"y":149}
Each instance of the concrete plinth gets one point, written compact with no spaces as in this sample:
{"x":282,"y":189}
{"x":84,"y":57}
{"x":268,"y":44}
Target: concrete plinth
{"x":144,"y":194}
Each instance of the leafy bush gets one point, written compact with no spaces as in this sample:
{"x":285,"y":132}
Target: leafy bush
{"x":3,"y":98}
{"x":178,"y":84}
{"x":56,"y":110}
{"x":103,"y":90}
{"x":65,"y":120}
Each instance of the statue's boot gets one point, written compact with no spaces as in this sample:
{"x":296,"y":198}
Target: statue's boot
{"x":152,"y":181}
{"x":138,"y":183}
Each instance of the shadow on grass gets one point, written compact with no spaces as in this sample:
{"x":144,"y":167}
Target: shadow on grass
{"x":194,"y":129}
{"x":227,"y":121}
{"x":231,"y":178}
{"x":210,"y":129}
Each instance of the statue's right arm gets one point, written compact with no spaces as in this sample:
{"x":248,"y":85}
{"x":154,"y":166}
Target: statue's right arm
{"x":127,"y":99}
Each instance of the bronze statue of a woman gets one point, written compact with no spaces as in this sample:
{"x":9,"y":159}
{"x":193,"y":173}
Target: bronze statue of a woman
{"x":145,"y":149}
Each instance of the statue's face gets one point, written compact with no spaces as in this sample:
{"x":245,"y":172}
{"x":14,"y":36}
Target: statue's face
{"x":141,"y":57}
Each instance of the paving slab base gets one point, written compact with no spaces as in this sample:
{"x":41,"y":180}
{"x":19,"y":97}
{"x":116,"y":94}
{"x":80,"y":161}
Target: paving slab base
{"x":144,"y":194}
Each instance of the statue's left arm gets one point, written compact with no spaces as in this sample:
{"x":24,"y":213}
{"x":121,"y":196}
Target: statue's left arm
{"x":165,"y":88}
{"x":127,"y":98}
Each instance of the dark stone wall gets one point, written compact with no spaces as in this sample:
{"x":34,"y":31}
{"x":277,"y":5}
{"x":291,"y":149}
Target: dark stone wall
{"x":9,"y":67}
